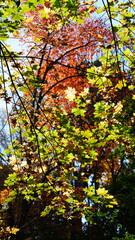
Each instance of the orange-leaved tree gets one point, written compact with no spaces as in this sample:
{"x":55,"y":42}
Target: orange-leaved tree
{"x":62,"y":53}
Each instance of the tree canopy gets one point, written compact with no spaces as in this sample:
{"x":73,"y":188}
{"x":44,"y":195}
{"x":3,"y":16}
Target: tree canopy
{"x":69,"y":95}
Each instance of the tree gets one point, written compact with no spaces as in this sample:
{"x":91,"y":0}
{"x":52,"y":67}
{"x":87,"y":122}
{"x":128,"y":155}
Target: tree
{"x":64,"y":156}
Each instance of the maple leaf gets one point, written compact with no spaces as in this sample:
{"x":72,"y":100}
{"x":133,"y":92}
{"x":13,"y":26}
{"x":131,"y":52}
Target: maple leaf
{"x":70,"y":93}
{"x":101,"y":191}
{"x":14,"y":230}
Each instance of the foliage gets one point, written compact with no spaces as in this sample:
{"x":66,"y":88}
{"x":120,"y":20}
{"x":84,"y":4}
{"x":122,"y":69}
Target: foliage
{"x":71,"y":151}
{"x":127,"y":237}
{"x":12,"y":12}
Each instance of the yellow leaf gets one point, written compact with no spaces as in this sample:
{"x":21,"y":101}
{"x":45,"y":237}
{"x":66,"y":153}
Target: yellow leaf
{"x":114,"y":202}
{"x":70,"y":93}
{"x":14,"y":230}
{"x":121,"y":84}
{"x":87,"y":133}
{"x":91,"y":8}
{"x":28,"y":20}
{"x":101,"y":191}
{"x":45,"y":12}
{"x":110,"y":206}
{"x":100,"y":36}
{"x":108,"y":196}
{"x":118,"y":107}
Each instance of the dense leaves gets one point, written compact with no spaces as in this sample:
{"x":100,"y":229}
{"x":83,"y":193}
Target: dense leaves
{"x":70,"y":161}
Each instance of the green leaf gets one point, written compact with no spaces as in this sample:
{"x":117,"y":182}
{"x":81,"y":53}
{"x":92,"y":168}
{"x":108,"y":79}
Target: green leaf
{"x":69,"y":200}
{"x":78,"y":112}
{"x":80,"y":21}
{"x":70,"y":157}
{"x":86,"y":133}
{"x":13,"y":130}
{"x":7,"y":151}
{"x":127,"y":52}
{"x":23,"y":89}
{"x":46,"y":211}
{"x":11,"y":180}
{"x":100,"y":10}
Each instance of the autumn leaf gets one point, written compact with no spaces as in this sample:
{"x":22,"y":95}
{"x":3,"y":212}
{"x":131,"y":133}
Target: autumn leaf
{"x":102,"y":191}
{"x":13,"y":160}
{"x":70,"y":93}
{"x":12,"y":230}
{"x":118,"y":107}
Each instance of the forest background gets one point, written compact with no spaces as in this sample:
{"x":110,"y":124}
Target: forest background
{"x":68,"y":131}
